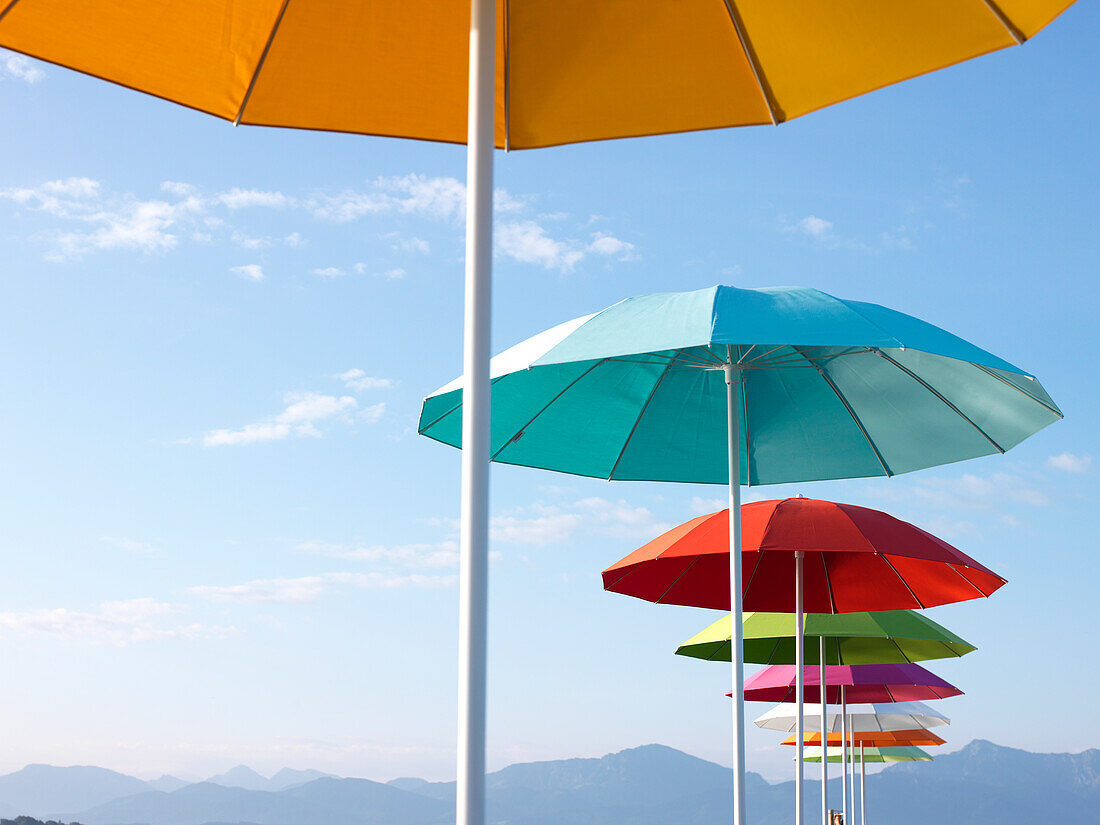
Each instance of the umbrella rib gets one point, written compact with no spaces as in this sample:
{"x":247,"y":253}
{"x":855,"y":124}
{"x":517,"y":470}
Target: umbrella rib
{"x":771,"y":655}
{"x":965,"y":579}
{"x":745,"y":416}
{"x":1004,"y":20}
{"x":260,"y":62}
{"x":754,"y":64}
{"x":851,"y":412}
{"x":1043,"y":404}
{"x":674,"y":582}
{"x":641,"y":413}
{"x":545,"y":407}
{"x":901,"y":578}
{"x":7,"y":8}
{"x":457,"y":406}
{"x":904,"y":655}
{"x":940,"y":396}
{"x":832,"y":600}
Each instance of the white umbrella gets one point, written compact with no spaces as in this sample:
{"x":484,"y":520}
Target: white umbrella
{"x":878,"y":716}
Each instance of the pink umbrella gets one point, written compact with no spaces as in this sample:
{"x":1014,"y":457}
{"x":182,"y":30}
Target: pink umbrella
{"x":901,"y":682}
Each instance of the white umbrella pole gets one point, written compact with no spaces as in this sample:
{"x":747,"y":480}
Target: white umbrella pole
{"x":800,"y":682}
{"x":733,"y":407}
{"x":474,"y":523}
{"x":844,"y":750}
{"x":852,"y":759}
{"x":824,"y":735}
{"x":862,"y":788}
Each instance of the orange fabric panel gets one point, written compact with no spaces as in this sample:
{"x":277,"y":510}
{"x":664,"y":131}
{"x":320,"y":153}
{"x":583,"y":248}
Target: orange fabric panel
{"x":200,"y":53}
{"x":1030,"y":16}
{"x":378,"y":67}
{"x":584,"y":70}
{"x":814,"y":54}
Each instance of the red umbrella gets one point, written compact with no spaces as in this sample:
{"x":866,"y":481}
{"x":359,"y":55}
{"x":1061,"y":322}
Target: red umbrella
{"x":901,"y":682}
{"x":855,"y":559}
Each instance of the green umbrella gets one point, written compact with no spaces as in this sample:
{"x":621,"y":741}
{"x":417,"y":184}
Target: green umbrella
{"x":849,"y":639}
{"x":723,"y":384}
{"x":903,"y":753}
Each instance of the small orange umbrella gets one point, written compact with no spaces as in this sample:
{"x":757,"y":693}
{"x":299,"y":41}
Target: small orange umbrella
{"x":876,"y":738}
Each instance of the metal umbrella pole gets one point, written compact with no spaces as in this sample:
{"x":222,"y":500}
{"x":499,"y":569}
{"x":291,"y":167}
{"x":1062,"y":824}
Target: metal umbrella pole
{"x":843,"y":750}
{"x":862,"y":787}
{"x":734,"y":378}
{"x":852,"y":759}
{"x":824,"y":736}
{"x":474,"y":519}
{"x":799,"y":682}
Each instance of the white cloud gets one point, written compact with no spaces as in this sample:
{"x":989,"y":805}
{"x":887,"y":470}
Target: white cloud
{"x":393,"y":274}
{"x":310,"y":588}
{"x":542,"y":524}
{"x":246,"y":242}
{"x":142,"y":548}
{"x":293,"y":239}
{"x":357,"y":379}
{"x":119,"y":623}
{"x":180,"y":190}
{"x":440,"y":198}
{"x":413,"y":244}
{"x":815,"y":226}
{"x":299,"y":418}
{"x":20,"y":67}
{"x":604,"y":243}
{"x":329,"y":272}
{"x":250,"y":272}
{"x":115,"y":222}
{"x":417,"y":556}
{"x":528,"y":242}
{"x":1070,"y":463}
{"x":237,"y":198}
{"x":702,"y":506}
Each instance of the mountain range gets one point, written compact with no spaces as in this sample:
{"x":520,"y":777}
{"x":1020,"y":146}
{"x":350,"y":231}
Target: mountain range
{"x":650,"y":785}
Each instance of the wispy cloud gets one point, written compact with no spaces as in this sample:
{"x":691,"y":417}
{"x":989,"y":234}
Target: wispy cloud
{"x":302,"y":413}
{"x":237,"y":198}
{"x":20,"y":68}
{"x":329,"y":272}
{"x":1070,"y":463}
{"x":250,"y":272}
{"x":310,"y":588}
{"x":416,"y":556}
{"x":542,"y":524}
{"x":356,"y":379}
{"x":528,"y":242}
{"x":119,"y":623}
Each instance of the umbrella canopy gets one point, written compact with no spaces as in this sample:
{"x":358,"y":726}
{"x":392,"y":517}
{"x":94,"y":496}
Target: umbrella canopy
{"x":890,"y":754}
{"x":863,"y":683}
{"x":829,"y":388}
{"x":882,"y":738}
{"x":856,"y":559}
{"x":878,"y":716}
{"x":566,"y":70}
{"x":850,"y":638}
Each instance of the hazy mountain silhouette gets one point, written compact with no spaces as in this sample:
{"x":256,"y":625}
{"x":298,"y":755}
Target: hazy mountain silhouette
{"x":167,"y":783}
{"x":45,"y":791}
{"x":982,"y":784}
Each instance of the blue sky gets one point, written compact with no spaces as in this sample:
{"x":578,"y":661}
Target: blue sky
{"x":223,"y":542}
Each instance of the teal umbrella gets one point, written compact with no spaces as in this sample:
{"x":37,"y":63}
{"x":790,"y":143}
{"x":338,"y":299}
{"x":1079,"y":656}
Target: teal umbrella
{"x":723,"y":384}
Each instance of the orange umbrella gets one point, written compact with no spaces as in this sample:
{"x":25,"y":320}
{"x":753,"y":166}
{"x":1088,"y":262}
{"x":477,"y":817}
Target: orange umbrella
{"x":516,"y":74}
{"x":875,"y":739}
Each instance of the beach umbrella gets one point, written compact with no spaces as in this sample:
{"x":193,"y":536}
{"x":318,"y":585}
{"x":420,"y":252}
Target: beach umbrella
{"x":883,"y":738}
{"x":842,"y":558}
{"x":876,"y":716}
{"x":764,"y":385}
{"x":862,"y":683}
{"x":520,"y":74}
{"x":896,"y":753}
{"x":841,"y":638}
{"x":850,"y":638}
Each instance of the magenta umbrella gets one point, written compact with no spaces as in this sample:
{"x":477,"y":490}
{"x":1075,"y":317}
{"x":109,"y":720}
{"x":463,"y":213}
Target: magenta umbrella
{"x":901,"y":682}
